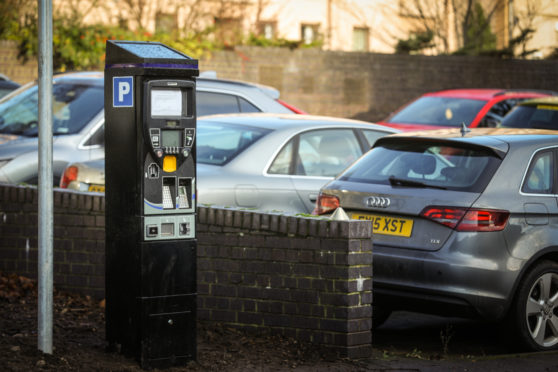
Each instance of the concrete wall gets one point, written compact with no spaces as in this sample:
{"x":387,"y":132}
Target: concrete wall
{"x":299,"y":277}
{"x":368,"y":86}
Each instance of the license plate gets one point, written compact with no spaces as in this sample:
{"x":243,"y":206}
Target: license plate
{"x":387,"y":225}
{"x":97,"y":188}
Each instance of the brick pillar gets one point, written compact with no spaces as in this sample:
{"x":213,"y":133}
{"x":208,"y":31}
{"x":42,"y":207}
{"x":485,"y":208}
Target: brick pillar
{"x":306,"y":278}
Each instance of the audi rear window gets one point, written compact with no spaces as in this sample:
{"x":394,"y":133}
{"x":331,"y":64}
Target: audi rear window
{"x":425,"y":165}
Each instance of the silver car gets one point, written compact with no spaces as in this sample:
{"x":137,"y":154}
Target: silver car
{"x":262,"y":161}
{"x":464,"y":224}
{"x":78,"y":122}
{"x":276,"y":162}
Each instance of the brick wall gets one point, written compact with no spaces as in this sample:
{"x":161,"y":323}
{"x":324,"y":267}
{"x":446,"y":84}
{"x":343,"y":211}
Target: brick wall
{"x":299,"y":277}
{"x":368,"y":86}
{"x":79,"y":237}
{"x":371,"y":85}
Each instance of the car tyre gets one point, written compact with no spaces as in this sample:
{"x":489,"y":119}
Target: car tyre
{"x":534,"y":312}
{"x":379,"y":316}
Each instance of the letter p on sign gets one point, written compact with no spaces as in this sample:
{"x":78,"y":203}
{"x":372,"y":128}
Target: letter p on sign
{"x":123,"y":91}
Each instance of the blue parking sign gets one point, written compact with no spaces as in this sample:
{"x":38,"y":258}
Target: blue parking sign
{"x":123,"y":91}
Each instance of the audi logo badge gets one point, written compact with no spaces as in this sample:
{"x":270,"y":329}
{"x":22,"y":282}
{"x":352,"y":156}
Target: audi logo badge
{"x":378,"y":202}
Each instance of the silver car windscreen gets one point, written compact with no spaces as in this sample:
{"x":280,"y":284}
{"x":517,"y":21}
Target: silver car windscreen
{"x":74,"y":105}
{"x":219,"y":143}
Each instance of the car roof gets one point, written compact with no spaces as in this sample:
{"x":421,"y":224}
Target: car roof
{"x":290,"y":121}
{"x":498,"y":139}
{"x":87,"y":77}
{"x":270,"y":91}
{"x":96,"y":75}
{"x":487,"y":94}
{"x":553,"y":101}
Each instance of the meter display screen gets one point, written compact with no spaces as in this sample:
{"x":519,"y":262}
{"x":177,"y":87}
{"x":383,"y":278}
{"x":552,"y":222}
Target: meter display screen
{"x":171,"y":138}
{"x":166,"y":102}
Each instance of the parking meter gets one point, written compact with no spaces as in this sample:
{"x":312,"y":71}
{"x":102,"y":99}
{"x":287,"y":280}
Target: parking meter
{"x":150,"y":202}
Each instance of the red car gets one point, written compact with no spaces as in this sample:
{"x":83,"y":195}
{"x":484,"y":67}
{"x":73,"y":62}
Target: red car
{"x":451,"y":108}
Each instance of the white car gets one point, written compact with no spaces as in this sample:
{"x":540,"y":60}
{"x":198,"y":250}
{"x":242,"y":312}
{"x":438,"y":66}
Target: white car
{"x":78,"y":119}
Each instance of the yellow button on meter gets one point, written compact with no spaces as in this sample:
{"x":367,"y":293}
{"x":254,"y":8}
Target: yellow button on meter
{"x":169,"y":163}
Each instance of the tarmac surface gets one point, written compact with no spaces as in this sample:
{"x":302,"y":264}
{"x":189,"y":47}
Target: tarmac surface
{"x":417,"y":342}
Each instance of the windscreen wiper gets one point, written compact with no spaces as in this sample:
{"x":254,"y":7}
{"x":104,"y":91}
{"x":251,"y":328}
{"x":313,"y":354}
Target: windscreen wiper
{"x":405,"y":182}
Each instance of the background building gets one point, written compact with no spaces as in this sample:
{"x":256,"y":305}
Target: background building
{"x":339,"y":25}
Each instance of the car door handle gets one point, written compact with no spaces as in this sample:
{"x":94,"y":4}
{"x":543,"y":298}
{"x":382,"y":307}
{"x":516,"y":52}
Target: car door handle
{"x":313,"y":197}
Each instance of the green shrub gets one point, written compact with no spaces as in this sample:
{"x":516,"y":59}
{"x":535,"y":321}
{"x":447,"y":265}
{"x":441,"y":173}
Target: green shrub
{"x":82,"y":47}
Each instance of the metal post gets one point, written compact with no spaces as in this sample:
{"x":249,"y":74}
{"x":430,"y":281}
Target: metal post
{"x":45,"y":178}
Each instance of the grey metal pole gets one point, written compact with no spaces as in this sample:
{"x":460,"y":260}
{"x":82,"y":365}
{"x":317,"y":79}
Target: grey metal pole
{"x":45,"y":178}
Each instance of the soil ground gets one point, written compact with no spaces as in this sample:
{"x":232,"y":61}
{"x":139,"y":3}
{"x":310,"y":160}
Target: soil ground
{"x":79,"y":340}
{"x":79,"y":343}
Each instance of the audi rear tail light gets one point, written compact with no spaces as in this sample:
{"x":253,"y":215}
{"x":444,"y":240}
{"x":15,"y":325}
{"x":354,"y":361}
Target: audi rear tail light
{"x":465,"y":219}
{"x":70,"y":174}
{"x":325,"y":204}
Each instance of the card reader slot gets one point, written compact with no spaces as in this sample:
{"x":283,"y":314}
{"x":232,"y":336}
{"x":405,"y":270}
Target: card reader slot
{"x":153,"y":170}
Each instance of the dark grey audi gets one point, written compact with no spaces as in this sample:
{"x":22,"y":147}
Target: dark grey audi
{"x":465,"y":224}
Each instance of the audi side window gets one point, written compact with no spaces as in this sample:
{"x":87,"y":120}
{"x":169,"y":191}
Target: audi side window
{"x":539,"y":179}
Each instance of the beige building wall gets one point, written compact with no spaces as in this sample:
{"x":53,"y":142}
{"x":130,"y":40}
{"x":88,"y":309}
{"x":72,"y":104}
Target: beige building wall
{"x":341,"y":25}
{"x":333,"y":22}
{"x":542,"y":16}
{"x":376,"y":22}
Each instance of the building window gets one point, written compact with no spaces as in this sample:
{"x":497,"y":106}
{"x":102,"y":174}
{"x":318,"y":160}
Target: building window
{"x":309,"y":33}
{"x":165,"y":23}
{"x":267,"y":29}
{"x":360,"y":39}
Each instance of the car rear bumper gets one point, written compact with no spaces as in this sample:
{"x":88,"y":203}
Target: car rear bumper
{"x":467,"y":277}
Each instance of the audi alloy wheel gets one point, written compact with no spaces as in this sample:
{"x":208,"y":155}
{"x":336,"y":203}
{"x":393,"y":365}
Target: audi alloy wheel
{"x":535,"y":310}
